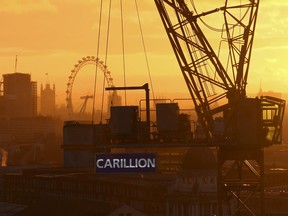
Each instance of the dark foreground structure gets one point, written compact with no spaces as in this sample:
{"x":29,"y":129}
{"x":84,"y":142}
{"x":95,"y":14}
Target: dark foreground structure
{"x":192,"y":190}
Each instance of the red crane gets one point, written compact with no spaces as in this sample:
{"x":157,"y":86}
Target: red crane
{"x":218,"y":89}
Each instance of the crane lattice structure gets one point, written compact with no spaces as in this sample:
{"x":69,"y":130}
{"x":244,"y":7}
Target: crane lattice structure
{"x":84,"y":105}
{"x":219,"y":91}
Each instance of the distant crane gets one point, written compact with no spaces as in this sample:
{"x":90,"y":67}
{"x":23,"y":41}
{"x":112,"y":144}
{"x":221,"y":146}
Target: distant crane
{"x":84,"y":105}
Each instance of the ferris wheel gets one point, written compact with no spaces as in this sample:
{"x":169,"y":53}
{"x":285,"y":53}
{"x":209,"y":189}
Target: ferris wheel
{"x":88,"y":60}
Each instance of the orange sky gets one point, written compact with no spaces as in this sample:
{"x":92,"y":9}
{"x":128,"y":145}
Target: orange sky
{"x":50,"y":36}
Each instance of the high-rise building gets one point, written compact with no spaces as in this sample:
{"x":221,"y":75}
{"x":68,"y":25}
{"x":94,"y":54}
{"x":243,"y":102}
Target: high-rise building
{"x":20,"y":95}
{"x":47,"y":100}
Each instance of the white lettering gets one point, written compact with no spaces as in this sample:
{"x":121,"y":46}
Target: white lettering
{"x":131,"y":163}
{"x":125,"y":164}
{"x":116,"y":163}
{"x":151,"y":162}
{"x":142,"y":163}
{"x":98,"y":163}
{"x":108,"y":164}
{"x":120,"y":163}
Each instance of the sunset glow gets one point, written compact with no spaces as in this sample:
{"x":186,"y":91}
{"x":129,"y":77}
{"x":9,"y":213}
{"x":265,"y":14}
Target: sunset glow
{"x":50,"y":36}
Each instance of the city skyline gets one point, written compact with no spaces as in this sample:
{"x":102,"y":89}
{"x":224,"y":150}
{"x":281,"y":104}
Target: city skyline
{"x":202,"y":145}
{"x":49,"y":37}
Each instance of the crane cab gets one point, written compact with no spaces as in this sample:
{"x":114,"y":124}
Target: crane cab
{"x":255,"y":121}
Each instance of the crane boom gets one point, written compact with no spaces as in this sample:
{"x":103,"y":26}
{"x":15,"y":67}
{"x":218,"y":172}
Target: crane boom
{"x":220,"y":92}
{"x":207,"y":80}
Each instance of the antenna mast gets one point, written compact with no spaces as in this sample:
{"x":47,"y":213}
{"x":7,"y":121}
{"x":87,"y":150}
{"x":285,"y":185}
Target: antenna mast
{"x":16,"y":60}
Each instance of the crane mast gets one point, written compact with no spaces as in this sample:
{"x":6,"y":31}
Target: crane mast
{"x":218,"y":90}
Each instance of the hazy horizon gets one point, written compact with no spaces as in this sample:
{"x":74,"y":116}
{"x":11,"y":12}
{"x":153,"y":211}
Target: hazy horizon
{"x":50,"y":37}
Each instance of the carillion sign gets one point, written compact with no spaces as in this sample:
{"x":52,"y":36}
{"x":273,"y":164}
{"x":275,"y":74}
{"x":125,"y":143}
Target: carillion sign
{"x":125,"y":162}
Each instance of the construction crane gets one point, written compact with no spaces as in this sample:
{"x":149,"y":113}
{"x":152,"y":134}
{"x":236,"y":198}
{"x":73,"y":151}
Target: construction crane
{"x":84,"y":105}
{"x":218,"y":90}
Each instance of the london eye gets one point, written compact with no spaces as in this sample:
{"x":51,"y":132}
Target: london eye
{"x":88,"y":60}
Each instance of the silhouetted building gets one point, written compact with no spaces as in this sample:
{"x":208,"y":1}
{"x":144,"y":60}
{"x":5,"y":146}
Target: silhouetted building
{"x":114,"y":100}
{"x":195,"y":189}
{"x":20,"y":95}
{"x":192,"y":191}
{"x":268,"y":93}
{"x":2,"y":106}
{"x":47,"y":100}
{"x":25,"y":129}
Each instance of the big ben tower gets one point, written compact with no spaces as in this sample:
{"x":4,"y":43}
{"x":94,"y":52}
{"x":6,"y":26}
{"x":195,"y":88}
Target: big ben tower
{"x":47,"y":100}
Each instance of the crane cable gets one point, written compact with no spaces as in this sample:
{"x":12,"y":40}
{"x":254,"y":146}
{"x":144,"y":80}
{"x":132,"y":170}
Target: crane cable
{"x":123,"y":49}
{"x":123,"y":52}
{"x":204,"y":23}
{"x":144,"y":48}
{"x":105,"y":62}
{"x":97,"y":55}
{"x":217,"y":29}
